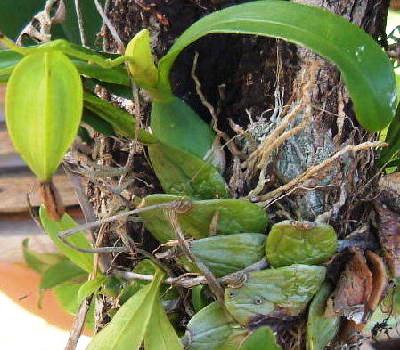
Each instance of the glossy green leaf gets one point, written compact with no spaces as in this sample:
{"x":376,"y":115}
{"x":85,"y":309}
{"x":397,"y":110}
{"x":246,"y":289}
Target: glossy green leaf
{"x":90,"y":287}
{"x":365,"y":67}
{"x":141,"y":65}
{"x":8,"y":60}
{"x":50,"y":85}
{"x":320,"y":328}
{"x":229,"y":215}
{"x":60,"y":273}
{"x":175,"y":124}
{"x":294,"y":242}
{"x":160,"y":334}
{"x":39,"y":262}
{"x":52,"y":228}
{"x":122,"y":122}
{"x":280,"y":292}
{"x":185,"y":174}
{"x":128,"y":326}
{"x":213,"y":329}
{"x":66,"y":295}
{"x":262,"y":338}
{"x":227,"y":254}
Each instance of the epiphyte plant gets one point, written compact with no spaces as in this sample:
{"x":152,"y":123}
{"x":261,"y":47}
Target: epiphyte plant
{"x":184,"y":164}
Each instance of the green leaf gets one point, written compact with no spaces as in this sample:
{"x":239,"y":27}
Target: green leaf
{"x":60,"y":273}
{"x":213,"y":329}
{"x":122,"y":122}
{"x":175,"y":124}
{"x":365,"y":67}
{"x":8,"y":60}
{"x":50,"y":85}
{"x":281,"y":292}
{"x":39,"y":262}
{"x":141,"y":65}
{"x":160,"y":335}
{"x":52,"y":228}
{"x":393,"y":139}
{"x":294,"y":242}
{"x":199,"y":301}
{"x":97,"y":123}
{"x":66,"y":295}
{"x":229,"y":215}
{"x":262,"y":338}
{"x":320,"y":328}
{"x":128,"y":326}
{"x":227,"y":254}
{"x":182,"y":173}
{"x":90,"y":287}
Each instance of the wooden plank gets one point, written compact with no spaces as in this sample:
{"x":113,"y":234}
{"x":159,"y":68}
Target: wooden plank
{"x":13,"y":192}
{"x":6,"y":146}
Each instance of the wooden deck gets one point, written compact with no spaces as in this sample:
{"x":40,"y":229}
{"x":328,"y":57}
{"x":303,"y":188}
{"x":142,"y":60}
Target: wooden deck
{"x":16,"y":182}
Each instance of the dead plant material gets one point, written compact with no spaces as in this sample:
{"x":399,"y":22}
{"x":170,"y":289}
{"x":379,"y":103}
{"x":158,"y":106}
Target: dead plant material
{"x":316,"y":170}
{"x":379,"y":280}
{"x":353,"y":290}
{"x":389,"y":237}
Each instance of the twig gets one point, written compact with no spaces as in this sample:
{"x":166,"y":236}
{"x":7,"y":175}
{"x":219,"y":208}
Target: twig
{"x":78,"y":325}
{"x":316,"y":169}
{"x":211,"y":279}
{"x":80,"y":23}
{"x":111,"y":28}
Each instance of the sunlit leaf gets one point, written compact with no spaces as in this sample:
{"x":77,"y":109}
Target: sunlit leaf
{"x":262,"y":338}
{"x":228,"y":215}
{"x":50,"y":85}
{"x":52,"y":228}
{"x":365,"y":67}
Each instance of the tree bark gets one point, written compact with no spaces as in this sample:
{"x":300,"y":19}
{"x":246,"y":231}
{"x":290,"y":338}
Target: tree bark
{"x":242,"y":77}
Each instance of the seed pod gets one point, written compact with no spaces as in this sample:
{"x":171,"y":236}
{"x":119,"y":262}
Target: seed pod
{"x":43,"y":110}
{"x":281,"y":292}
{"x":293,"y":242}
{"x":220,"y":216}
{"x":227,"y":254}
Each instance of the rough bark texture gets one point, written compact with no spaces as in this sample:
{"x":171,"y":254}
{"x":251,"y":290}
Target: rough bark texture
{"x":242,"y":76}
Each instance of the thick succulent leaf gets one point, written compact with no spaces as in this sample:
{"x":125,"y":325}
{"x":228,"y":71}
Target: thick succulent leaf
{"x":50,"y":85}
{"x":213,"y":329}
{"x":293,"y":242}
{"x":365,"y":67}
{"x":160,"y":334}
{"x":226,"y":254}
{"x":262,"y":338}
{"x":141,"y":66}
{"x":8,"y":60}
{"x":128,"y":326}
{"x":60,"y":273}
{"x":175,"y":124}
{"x":229,"y":215}
{"x":182,"y":173}
{"x":39,"y":262}
{"x":52,"y":228}
{"x":280,"y":292}
{"x":122,"y":122}
{"x":320,"y":328}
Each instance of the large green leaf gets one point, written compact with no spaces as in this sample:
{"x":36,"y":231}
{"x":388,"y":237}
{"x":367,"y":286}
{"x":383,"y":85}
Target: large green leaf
{"x":122,"y":122}
{"x":182,"y":173}
{"x":280,"y":292}
{"x":52,"y":228}
{"x":60,"y":273}
{"x":160,"y":335}
{"x":128,"y":326}
{"x":43,"y":109}
{"x":226,"y":254}
{"x":213,"y":329}
{"x":320,"y":328}
{"x":365,"y":67}
{"x":262,"y":338}
{"x":175,"y":124}
{"x":298,"y":242}
{"x":228,"y":215}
